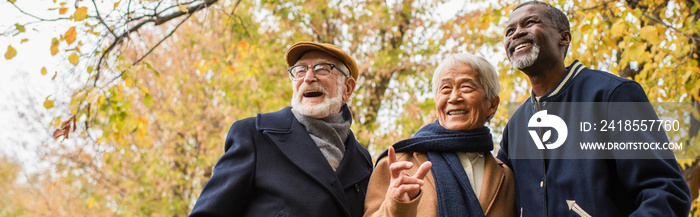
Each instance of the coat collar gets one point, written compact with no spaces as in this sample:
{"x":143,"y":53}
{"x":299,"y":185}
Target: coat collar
{"x":571,"y":72}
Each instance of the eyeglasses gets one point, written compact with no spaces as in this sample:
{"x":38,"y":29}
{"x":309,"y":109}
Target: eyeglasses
{"x":321,"y":70}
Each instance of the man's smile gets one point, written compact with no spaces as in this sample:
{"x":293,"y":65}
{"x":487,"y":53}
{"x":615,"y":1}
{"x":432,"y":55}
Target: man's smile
{"x":312,"y":93}
{"x":457,"y":112}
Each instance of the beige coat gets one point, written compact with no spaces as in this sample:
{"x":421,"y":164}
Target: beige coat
{"x":497,"y":196}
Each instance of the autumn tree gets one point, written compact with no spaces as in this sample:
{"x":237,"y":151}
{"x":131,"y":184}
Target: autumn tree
{"x":161,"y":82}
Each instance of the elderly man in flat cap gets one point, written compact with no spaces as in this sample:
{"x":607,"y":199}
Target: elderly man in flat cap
{"x":302,"y":160}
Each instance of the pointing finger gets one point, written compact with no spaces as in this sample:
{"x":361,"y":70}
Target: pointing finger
{"x":392,"y":155}
{"x":423,"y":170}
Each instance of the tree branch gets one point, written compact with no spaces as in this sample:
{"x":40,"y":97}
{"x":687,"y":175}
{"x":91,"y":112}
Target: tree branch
{"x":156,"y":21}
{"x":599,"y":5}
{"x":99,"y":17}
{"x":693,"y":38}
{"x":31,"y":15}
{"x":161,"y":40}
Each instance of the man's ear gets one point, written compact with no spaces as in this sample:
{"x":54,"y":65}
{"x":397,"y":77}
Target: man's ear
{"x":349,"y":88}
{"x":494,"y":105}
{"x":565,"y":38}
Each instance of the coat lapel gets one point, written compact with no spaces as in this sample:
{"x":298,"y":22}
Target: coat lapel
{"x":493,"y":179}
{"x":348,"y":171}
{"x":296,"y":144}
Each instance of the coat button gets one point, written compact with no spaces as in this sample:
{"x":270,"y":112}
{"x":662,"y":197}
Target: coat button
{"x":357,"y":188}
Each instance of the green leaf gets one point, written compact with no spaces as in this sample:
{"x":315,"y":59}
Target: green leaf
{"x":148,"y":100}
{"x":148,"y":65}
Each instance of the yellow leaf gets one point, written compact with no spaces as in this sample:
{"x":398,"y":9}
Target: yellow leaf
{"x":650,"y":33}
{"x":43,"y":71}
{"x":70,"y":35}
{"x":62,"y":10}
{"x":618,"y":29}
{"x":11,"y":52}
{"x":48,"y":104}
{"x":12,"y":1}
{"x":203,"y":69}
{"x":54,"y":46}
{"x":182,"y":8}
{"x":91,"y":202}
{"x":24,"y":40}
{"x":20,"y":28}
{"x":73,"y":58}
{"x":233,"y":69}
{"x":80,"y":14}
{"x":57,"y":122}
{"x":117,"y":4}
{"x":637,"y":50}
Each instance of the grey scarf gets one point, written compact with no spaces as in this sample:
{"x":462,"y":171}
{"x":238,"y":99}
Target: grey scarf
{"x":329,"y":134}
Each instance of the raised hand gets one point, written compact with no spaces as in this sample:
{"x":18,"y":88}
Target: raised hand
{"x":405,"y":187}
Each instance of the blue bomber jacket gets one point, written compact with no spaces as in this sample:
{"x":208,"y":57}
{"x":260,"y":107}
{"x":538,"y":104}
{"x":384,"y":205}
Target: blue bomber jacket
{"x":590,"y":186}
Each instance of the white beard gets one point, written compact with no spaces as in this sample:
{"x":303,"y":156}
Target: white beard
{"x":526,"y":61}
{"x":329,"y":106}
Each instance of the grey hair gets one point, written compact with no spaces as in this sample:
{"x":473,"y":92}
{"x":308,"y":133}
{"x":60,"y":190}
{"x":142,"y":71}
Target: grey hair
{"x":343,"y":68}
{"x":487,"y":74}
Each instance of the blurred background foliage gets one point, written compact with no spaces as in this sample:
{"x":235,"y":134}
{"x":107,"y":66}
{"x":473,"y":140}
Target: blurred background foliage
{"x":160,"y":82}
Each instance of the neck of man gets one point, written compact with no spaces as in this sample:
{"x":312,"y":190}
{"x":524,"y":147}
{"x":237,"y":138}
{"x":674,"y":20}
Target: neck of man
{"x":545,"y":76}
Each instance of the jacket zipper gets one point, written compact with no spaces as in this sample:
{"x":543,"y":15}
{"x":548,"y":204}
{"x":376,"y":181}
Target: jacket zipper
{"x":544,"y":165}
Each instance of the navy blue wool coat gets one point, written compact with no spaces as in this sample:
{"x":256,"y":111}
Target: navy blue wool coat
{"x":272,"y":167}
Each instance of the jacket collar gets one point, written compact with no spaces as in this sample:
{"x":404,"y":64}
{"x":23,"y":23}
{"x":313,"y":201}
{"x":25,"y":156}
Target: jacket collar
{"x":571,"y":72}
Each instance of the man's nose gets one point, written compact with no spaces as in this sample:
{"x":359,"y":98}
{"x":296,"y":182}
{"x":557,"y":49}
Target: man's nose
{"x":518,"y":32}
{"x":455,"y":96}
{"x":310,"y":76}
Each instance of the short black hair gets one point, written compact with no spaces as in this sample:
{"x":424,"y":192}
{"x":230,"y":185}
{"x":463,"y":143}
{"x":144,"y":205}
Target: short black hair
{"x":560,"y":20}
